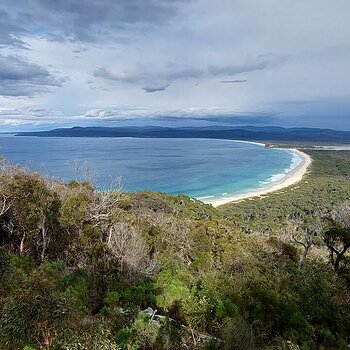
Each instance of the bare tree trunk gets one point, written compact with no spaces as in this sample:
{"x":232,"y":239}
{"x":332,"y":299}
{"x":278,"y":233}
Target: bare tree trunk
{"x":44,"y":241}
{"x":339,"y":257}
{"x":21,"y":246}
{"x":5,"y":205}
{"x":304,"y":255}
{"x":331,"y":256}
{"x":307,"y":247}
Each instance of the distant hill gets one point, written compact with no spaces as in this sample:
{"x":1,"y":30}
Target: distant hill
{"x":248,"y":133}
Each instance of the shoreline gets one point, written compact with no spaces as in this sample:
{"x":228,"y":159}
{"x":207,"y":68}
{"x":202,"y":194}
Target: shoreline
{"x":291,"y":178}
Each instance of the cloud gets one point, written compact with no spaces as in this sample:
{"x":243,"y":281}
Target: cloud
{"x":101,"y":113}
{"x":154,"y":79}
{"x":237,"y":81}
{"x":115,"y":113}
{"x":28,"y":116}
{"x":151,"y":79}
{"x":190,"y":48}
{"x":20,"y":77}
{"x":144,"y":73}
{"x":184,"y":73}
{"x":220,"y":114}
{"x":124,"y":77}
{"x":10,"y":31}
{"x":155,"y":88}
{"x":259,"y":63}
{"x":90,"y":21}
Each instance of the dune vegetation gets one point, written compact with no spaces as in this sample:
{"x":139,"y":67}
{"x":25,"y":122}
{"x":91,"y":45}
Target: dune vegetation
{"x":81,"y":269}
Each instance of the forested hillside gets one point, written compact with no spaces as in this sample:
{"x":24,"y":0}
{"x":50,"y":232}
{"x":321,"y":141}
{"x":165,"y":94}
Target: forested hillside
{"x":86,"y":270}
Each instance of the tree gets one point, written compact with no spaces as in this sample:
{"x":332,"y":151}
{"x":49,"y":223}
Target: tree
{"x":305,"y":232}
{"x":337,"y":237}
{"x":127,"y":245}
{"x":34,"y":212}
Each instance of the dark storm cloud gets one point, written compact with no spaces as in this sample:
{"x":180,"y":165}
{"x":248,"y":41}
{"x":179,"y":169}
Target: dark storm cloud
{"x":20,"y":77}
{"x":74,"y":20}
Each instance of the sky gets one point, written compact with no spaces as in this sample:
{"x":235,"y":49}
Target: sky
{"x":174,"y":62}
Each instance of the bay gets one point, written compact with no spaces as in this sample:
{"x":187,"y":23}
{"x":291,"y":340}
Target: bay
{"x":201,"y":168}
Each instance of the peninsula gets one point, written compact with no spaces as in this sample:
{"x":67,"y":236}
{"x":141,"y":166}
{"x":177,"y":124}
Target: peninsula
{"x":245,"y":133}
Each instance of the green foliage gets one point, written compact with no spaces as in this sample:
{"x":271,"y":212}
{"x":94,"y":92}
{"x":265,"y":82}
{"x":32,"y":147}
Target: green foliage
{"x":198,"y":311}
{"x":337,"y":239}
{"x":141,"y":335}
{"x":40,"y":309}
{"x":141,"y":294}
{"x":24,"y":263}
{"x":37,"y":204}
{"x":172,"y":290}
{"x":76,"y":284}
{"x":149,"y":334}
{"x":94,"y":334}
{"x":74,"y":210}
{"x":5,"y":266}
{"x":237,"y":334}
{"x":224,"y":308}
{"x":112,"y":298}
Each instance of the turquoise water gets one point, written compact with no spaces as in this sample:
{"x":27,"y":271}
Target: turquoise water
{"x":200,"y":168}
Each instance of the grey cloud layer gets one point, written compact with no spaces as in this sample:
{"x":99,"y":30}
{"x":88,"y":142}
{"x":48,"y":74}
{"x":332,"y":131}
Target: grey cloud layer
{"x":10,"y":31}
{"x":228,"y":57}
{"x":19,"y":77}
{"x":153,"y":80}
{"x":150,"y":79}
{"x":74,"y":20}
{"x":249,"y":65}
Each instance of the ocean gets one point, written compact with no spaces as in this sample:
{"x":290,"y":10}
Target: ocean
{"x":201,"y":168}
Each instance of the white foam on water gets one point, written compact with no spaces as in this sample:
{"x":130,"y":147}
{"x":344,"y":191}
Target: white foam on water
{"x":205,"y":197}
{"x":296,"y":160}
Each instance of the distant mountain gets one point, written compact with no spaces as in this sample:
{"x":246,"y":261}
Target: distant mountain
{"x":247,"y":133}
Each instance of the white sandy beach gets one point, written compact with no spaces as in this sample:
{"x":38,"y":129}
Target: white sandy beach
{"x":291,"y":178}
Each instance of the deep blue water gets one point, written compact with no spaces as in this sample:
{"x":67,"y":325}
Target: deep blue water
{"x":197,"y":167}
